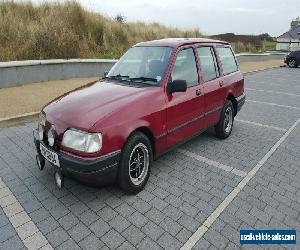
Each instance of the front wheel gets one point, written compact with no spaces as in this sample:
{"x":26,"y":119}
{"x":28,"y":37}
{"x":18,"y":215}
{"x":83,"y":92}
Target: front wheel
{"x":224,"y":127}
{"x":135,"y":163}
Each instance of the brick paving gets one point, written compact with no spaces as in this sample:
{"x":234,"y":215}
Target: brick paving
{"x":182,"y":191}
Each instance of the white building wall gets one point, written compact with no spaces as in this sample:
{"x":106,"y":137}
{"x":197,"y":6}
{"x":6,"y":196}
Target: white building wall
{"x":287,"y":44}
{"x":282,"y":46}
{"x":295,"y":46}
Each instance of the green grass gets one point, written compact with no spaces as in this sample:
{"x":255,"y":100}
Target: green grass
{"x":270,"y":45}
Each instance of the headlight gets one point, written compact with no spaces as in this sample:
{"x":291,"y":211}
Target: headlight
{"x":51,"y":136}
{"x":41,"y":130}
{"x":42,"y":118}
{"x":41,"y":125}
{"x":82,"y":141}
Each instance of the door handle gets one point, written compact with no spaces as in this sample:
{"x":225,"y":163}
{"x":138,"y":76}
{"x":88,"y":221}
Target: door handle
{"x":198,"y":92}
{"x":221,"y":83}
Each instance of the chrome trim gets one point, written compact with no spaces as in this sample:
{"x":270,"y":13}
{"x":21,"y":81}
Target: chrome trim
{"x":213,"y":111}
{"x":240,"y":97}
{"x":188,"y":122}
{"x":161,"y":135}
{"x":95,"y":158}
{"x":92,"y":172}
{"x":110,"y":154}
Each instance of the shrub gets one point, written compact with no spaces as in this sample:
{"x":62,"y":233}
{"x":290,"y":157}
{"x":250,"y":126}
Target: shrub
{"x":66,"y":30}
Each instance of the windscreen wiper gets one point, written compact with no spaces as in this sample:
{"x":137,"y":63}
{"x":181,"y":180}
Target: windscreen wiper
{"x":144,"y":79}
{"x":118,"y":77}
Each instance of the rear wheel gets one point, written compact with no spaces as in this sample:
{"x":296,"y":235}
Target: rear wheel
{"x":292,"y":63}
{"x":135,"y":163}
{"x":224,"y":127}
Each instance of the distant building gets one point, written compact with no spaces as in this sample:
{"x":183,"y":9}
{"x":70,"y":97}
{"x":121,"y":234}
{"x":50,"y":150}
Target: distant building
{"x":290,"y":41}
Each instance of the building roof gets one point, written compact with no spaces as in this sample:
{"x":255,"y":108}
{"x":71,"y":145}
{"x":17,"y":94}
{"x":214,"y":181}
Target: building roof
{"x":176,"y":42}
{"x":292,"y":34}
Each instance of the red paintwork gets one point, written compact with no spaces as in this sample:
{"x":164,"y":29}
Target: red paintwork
{"x":116,"y":111}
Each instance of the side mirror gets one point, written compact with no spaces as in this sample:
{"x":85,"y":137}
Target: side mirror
{"x":105,"y":73}
{"x":177,"y":86}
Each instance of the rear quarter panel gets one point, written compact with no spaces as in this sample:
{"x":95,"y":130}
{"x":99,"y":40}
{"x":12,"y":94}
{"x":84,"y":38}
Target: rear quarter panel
{"x":235,"y":84}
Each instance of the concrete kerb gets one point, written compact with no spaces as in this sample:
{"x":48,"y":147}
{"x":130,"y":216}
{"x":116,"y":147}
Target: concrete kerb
{"x":260,"y":70}
{"x":16,"y":119}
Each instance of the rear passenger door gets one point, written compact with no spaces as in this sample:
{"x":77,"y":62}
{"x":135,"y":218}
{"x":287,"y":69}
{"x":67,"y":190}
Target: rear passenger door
{"x":211,"y":78}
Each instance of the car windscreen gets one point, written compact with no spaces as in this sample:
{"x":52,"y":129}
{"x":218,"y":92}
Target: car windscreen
{"x":142,"y":64}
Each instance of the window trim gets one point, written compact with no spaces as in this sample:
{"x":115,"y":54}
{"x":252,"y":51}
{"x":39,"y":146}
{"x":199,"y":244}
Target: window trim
{"x":237,"y":65}
{"x":217,"y":66}
{"x":196,"y":63}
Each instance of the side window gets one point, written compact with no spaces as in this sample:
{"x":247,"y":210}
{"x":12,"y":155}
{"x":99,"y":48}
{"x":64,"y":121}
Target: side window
{"x":185,"y":67}
{"x":208,"y":63}
{"x":227,"y":59}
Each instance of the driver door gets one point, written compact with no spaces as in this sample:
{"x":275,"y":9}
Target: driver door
{"x":185,"y":110}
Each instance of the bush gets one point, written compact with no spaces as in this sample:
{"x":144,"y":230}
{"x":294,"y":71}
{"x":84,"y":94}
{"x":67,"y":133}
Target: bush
{"x":66,"y":30}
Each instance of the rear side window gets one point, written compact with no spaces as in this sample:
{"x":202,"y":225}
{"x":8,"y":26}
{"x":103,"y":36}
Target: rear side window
{"x":208,"y":63}
{"x":227,"y":59}
{"x":185,"y":67}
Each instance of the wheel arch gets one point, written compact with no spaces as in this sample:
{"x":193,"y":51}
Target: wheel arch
{"x":234,"y":102}
{"x":146,"y":131}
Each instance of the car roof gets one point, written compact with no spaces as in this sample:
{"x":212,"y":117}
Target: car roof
{"x":176,"y":42}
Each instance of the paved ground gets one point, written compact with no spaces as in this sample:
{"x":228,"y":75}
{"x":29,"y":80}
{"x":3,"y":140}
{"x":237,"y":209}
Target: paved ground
{"x":30,"y":98}
{"x":198,"y":196}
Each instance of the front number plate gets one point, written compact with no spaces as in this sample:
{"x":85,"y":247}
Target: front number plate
{"x":49,"y":155}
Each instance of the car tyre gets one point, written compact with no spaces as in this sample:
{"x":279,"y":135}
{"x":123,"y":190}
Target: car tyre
{"x":292,"y":63}
{"x":224,"y":127}
{"x":136,"y":160}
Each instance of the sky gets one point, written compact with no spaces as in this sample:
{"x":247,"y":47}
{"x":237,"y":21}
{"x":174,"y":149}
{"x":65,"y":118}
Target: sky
{"x":209,"y":16}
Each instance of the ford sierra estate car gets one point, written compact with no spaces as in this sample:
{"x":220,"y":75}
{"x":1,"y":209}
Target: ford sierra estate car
{"x":159,"y":94}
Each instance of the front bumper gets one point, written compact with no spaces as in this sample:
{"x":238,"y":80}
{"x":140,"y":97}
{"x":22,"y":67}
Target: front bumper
{"x":240,"y":101}
{"x":101,"y":171}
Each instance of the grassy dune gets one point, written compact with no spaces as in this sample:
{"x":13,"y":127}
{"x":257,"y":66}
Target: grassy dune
{"x":66,"y":30}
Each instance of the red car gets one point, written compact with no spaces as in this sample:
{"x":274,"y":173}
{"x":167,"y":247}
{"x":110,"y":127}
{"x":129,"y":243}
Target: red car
{"x":159,"y":94}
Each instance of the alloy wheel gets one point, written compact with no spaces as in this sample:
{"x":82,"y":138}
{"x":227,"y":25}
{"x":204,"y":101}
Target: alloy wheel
{"x":138,"y":164}
{"x":292,"y":63}
{"x":228,"y":120}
